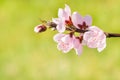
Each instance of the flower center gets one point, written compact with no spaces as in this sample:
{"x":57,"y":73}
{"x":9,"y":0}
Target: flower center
{"x":83,"y":26}
{"x":68,"y":22}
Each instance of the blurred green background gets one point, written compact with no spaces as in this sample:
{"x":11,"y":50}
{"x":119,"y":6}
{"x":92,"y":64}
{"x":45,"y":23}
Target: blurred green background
{"x":25,"y":55}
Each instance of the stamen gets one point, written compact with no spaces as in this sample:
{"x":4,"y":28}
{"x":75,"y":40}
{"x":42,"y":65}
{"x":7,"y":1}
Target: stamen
{"x":80,"y":26}
{"x":69,"y":22}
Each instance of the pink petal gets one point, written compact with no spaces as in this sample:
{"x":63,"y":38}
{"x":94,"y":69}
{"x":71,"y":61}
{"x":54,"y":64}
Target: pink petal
{"x":77,"y":19}
{"x":65,"y":47}
{"x":57,"y":37}
{"x":77,"y":46}
{"x":55,"y":20}
{"x":88,"y":20}
{"x":92,"y":44}
{"x":68,"y":11}
{"x":61,"y":12}
{"x":60,"y":28}
{"x":87,"y":35}
{"x":61,"y":25}
{"x":95,"y":29}
{"x":102,"y":44}
{"x":67,"y":39}
{"x":102,"y":47}
{"x":78,"y":50}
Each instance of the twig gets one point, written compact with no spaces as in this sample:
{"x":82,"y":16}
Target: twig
{"x":109,"y":35}
{"x":72,"y":28}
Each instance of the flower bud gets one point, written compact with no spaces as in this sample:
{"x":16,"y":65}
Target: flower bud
{"x":40,"y":28}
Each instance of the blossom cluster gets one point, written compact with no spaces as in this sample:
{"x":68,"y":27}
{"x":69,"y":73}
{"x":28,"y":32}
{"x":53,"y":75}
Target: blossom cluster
{"x":81,"y":32}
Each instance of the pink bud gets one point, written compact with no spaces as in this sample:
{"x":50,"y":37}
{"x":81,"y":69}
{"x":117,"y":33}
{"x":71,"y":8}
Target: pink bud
{"x":40,"y":28}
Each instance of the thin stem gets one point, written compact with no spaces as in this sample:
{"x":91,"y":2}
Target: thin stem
{"x":80,"y":31}
{"x":109,"y":35}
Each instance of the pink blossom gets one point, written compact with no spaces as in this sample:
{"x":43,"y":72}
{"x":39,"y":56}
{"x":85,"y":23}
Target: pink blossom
{"x":63,"y":16}
{"x":95,"y":38}
{"x":64,"y":42}
{"x":81,"y":22}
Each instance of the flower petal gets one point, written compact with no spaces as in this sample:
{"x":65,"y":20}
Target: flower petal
{"x":68,"y":11}
{"x":77,"y":46}
{"x":60,"y":28}
{"x":65,"y":47}
{"x":77,"y":19}
{"x":55,"y":20}
{"x":57,"y":37}
{"x":102,"y":47}
{"x":102,"y":44}
{"x":78,"y":50}
{"x":61,"y":25}
{"x":88,"y":20}
{"x":92,"y":44}
{"x":67,"y":39}
{"x":61,"y":12}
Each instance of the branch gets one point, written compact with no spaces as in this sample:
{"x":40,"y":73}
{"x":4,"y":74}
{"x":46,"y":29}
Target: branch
{"x":72,"y":28}
{"x":109,"y":35}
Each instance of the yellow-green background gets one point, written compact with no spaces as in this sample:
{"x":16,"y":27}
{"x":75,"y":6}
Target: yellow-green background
{"x":25,"y":55}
